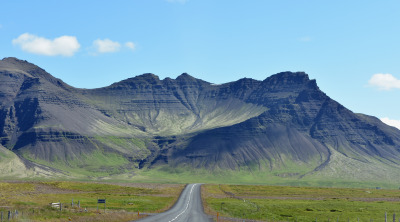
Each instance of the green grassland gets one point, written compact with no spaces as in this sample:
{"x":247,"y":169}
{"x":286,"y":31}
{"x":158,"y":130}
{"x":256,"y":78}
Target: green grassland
{"x":117,"y":158}
{"x":285,"y":203}
{"x":259,"y":202}
{"x":95,"y":164}
{"x":114,"y":166}
{"x":123,"y":201}
{"x":167,"y":174}
{"x":112,"y":155}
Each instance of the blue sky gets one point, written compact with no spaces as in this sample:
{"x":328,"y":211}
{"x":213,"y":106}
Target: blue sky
{"x":352,"y":48}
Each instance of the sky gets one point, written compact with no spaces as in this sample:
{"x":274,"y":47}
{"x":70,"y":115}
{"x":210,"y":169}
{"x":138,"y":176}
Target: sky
{"x":352,"y":48}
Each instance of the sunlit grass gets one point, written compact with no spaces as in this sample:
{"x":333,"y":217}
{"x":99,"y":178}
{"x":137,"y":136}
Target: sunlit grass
{"x":33,"y":200}
{"x":284,"y":203}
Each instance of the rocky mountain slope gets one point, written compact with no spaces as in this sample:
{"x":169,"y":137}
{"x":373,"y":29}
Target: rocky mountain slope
{"x":285,"y":125}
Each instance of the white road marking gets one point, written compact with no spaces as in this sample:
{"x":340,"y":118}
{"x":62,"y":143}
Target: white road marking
{"x":187,"y":205}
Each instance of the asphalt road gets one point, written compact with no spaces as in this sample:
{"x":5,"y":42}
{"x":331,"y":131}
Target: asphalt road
{"x":187,"y":208}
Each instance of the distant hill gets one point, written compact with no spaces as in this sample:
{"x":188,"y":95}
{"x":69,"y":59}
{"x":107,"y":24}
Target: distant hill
{"x":282,"y":127}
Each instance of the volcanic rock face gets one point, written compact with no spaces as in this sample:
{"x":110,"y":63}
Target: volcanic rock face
{"x":145,"y":122}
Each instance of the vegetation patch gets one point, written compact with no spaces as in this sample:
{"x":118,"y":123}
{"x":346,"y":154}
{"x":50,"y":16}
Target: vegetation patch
{"x":182,"y":174}
{"x":95,"y":164}
{"x":79,"y":200}
{"x":286,"y":203}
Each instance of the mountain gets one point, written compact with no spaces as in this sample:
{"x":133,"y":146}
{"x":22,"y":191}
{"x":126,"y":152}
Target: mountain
{"x":284,"y":127}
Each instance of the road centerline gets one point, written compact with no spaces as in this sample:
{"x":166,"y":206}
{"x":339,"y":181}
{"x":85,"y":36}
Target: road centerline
{"x":186,"y":209}
{"x":187,"y":205}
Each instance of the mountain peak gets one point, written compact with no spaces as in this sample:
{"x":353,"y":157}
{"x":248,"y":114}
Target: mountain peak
{"x":149,"y":76}
{"x":12,"y":59}
{"x":146,"y":78}
{"x":288,"y":78}
{"x":299,"y":76}
{"x":185,"y":76}
{"x":14,"y":63}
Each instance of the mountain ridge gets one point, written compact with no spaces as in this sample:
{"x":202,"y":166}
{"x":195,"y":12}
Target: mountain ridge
{"x":144,"y":123}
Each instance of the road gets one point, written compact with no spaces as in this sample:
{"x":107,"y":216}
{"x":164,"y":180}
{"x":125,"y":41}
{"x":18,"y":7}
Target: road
{"x":187,"y":208}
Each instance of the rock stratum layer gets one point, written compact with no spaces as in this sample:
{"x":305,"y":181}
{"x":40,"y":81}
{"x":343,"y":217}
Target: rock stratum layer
{"x":284,"y":126}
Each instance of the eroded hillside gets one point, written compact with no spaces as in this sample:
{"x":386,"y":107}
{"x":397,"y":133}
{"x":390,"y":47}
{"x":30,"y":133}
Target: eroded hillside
{"x":284,"y":126}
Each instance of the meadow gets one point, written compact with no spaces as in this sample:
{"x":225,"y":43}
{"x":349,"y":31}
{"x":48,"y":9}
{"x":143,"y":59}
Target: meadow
{"x":286,"y":203}
{"x":256,"y":202}
{"x":123,"y":201}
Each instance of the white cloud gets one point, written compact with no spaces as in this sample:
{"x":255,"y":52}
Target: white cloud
{"x":384,"y":81}
{"x":63,"y":45}
{"x":391,"y":122}
{"x":106,"y":46}
{"x":130,"y":45}
{"x":177,"y":1}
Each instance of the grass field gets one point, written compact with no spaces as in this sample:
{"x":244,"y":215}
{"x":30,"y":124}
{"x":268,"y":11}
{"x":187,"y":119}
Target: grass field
{"x":246,"y":176}
{"x":123,"y":201}
{"x":284,"y":203}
